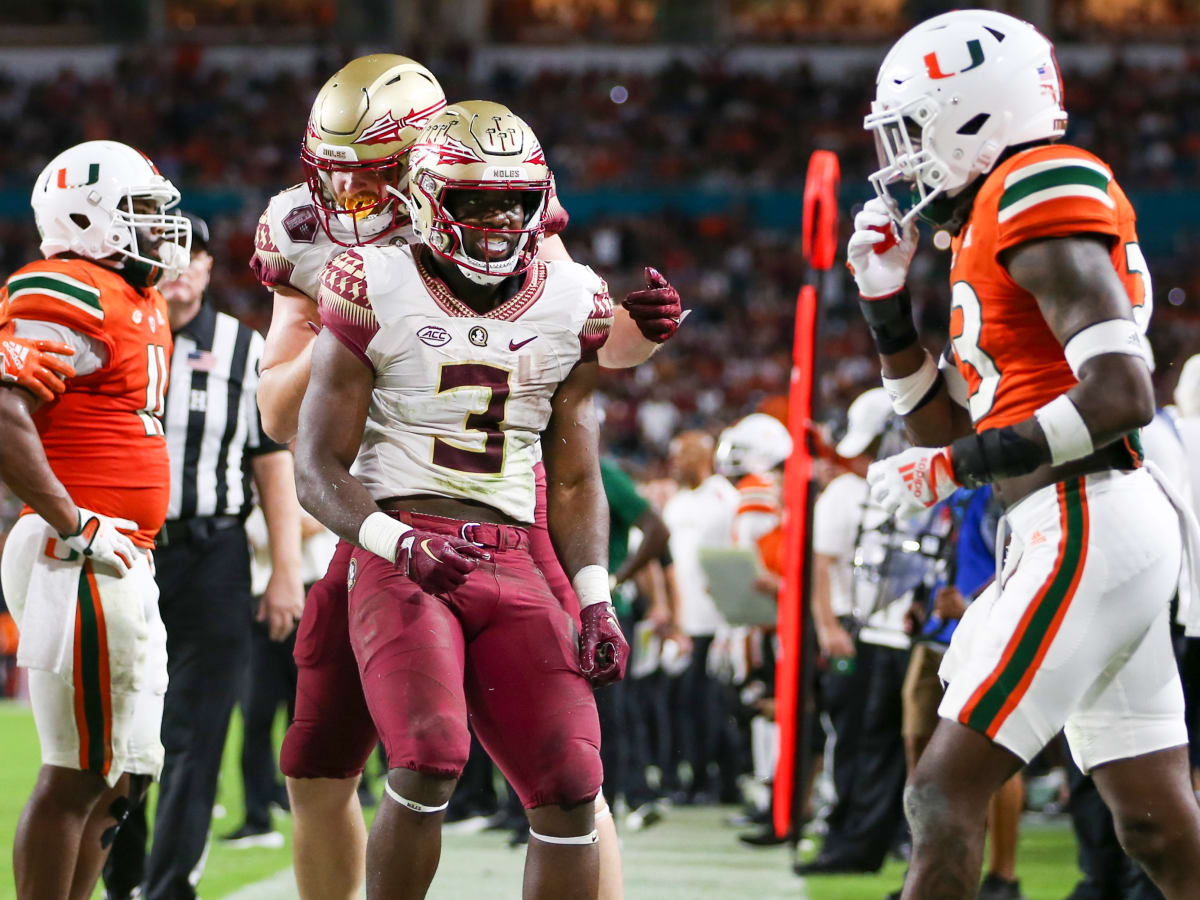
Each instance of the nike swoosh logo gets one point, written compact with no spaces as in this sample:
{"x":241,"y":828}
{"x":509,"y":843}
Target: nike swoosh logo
{"x":513,"y":345}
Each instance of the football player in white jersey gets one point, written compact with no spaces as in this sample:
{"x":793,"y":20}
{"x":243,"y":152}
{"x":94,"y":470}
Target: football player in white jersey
{"x":364,"y":121}
{"x":439,"y":367}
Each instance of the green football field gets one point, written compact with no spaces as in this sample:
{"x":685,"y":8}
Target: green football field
{"x":690,"y":855}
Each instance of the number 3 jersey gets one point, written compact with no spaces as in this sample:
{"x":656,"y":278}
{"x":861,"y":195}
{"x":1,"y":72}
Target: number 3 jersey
{"x":103,"y":437}
{"x":460,"y":398}
{"x":1001,"y":344}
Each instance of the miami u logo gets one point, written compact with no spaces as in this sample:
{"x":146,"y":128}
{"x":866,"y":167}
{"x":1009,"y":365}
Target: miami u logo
{"x":93,"y":177}
{"x":935,"y":71}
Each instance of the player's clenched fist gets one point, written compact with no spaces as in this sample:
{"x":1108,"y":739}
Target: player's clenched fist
{"x":912,"y":481}
{"x":880,"y":251}
{"x":97,"y":538}
{"x":436,"y":563}
{"x":33,"y":365}
{"x":655,"y":309}
{"x":603,"y":651}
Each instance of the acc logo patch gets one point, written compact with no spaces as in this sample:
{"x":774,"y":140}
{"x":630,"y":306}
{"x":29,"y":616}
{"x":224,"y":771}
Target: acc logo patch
{"x":478,"y":336}
{"x":301,"y":224}
{"x":351,"y":574}
{"x":434,"y":335}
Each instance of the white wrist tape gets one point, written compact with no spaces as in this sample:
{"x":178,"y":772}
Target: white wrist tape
{"x":591,"y":585}
{"x":1066,"y":432}
{"x":1110,"y":336}
{"x":381,"y":534}
{"x":583,"y":839}
{"x":907,"y":393}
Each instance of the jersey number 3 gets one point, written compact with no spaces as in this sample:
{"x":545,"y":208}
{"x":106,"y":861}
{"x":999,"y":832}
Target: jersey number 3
{"x":489,"y":460}
{"x":966,"y":329}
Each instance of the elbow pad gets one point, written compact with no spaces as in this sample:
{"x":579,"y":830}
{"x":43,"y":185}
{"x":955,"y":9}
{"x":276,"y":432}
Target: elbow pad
{"x":997,"y":453}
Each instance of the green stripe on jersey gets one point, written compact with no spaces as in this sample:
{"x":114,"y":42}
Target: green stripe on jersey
{"x":990,"y":704}
{"x":53,"y":284}
{"x":89,"y":676}
{"x":1061,"y":176}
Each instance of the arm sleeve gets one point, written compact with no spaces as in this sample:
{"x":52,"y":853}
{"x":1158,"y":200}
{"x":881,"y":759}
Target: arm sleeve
{"x":90,"y":354}
{"x":257,"y":441}
{"x":345,"y":309}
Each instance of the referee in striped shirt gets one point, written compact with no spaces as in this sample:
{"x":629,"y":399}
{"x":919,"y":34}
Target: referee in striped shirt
{"x":217,"y":449}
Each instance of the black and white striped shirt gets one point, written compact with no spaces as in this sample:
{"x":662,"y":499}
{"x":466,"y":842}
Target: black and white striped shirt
{"x":211,"y":421}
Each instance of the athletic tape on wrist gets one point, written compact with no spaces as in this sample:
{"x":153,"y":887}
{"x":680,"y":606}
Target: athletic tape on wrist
{"x":591,"y":585}
{"x":412,"y":804}
{"x":1110,"y":336}
{"x":602,"y":810}
{"x":583,"y":839}
{"x":381,"y":534}
{"x":1066,"y":433}
{"x":913,"y":391}
{"x":890,"y":320}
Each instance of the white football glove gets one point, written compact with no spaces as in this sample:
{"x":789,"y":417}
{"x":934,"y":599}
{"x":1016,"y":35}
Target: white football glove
{"x":97,"y":538}
{"x":911,"y":482}
{"x":880,"y":273}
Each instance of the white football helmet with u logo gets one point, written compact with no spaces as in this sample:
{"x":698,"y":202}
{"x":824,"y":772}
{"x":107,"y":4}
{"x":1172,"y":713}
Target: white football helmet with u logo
{"x":86,"y":201}
{"x":952,"y":95}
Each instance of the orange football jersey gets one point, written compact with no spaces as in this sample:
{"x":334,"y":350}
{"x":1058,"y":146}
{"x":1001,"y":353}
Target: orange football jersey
{"x":104,"y":437}
{"x":1011,"y":360}
{"x":764,"y":494}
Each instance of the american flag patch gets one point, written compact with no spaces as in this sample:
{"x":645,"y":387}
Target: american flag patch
{"x":201,"y":360}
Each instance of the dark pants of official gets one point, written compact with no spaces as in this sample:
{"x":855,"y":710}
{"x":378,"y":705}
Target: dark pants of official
{"x":269,"y":684}
{"x":864,"y":709}
{"x":704,"y":730}
{"x":204,"y":599}
{"x":625,"y":744}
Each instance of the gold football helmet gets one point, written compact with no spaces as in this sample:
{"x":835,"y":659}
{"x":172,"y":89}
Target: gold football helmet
{"x":478,"y":146}
{"x":355,"y":149}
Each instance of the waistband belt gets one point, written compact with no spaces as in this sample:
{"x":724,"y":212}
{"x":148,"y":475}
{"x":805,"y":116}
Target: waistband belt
{"x":201,"y":528}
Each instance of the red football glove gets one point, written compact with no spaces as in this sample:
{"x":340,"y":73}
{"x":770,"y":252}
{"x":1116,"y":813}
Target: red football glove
{"x":31,"y":365}
{"x":656,"y":310}
{"x":438,"y":564}
{"x":603,"y":651}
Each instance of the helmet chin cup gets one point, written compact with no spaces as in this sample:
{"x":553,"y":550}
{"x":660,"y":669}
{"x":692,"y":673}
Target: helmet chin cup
{"x":175,"y":259}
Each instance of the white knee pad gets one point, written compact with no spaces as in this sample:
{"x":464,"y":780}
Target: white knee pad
{"x":412,"y":804}
{"x":590,"y":838}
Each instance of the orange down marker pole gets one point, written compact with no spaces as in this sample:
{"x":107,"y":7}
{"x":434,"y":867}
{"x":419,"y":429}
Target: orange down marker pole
{"x":794,"y":625}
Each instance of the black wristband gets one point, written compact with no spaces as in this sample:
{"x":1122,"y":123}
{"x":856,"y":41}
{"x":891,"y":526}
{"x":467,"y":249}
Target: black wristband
{"x":996,"y":453}
{"x":890,"y":320}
